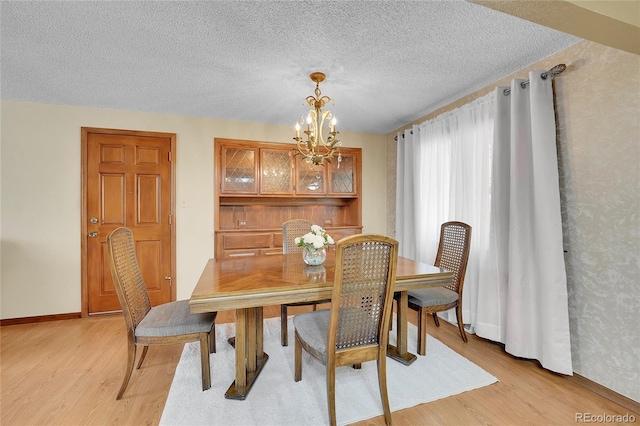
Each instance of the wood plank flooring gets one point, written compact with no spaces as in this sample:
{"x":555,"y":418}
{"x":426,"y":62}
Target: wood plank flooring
{"x":68,"y":373}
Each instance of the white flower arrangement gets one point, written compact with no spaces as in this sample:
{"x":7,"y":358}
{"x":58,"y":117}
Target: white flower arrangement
{"x":316,"y":239}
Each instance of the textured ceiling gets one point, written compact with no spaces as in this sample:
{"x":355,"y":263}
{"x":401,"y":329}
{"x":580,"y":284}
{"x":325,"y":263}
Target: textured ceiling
{"x":387,"y":62}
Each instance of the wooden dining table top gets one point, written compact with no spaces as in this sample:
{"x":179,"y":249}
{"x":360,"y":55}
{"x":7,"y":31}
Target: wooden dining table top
{"x":246,"y":282}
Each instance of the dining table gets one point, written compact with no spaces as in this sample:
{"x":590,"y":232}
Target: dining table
{"x":247,"y":284}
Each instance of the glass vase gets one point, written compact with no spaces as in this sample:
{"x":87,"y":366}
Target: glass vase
{"x":313,"y":256}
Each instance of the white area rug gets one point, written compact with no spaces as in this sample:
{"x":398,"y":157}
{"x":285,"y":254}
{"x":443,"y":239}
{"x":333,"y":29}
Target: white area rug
{"x":275,"y":399}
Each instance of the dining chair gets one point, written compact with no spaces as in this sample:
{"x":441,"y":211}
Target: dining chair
{"x":290,"y":230}
{"x":355,"y":328}
{"x":147,"y":325}
{"x":453,"y":254}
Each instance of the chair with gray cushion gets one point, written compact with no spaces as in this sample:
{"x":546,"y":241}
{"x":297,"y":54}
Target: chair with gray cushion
{"x":290,"y":230}
{"x":355,"y":329}
{"x":453,"y":254}
{"x":164,"y":324}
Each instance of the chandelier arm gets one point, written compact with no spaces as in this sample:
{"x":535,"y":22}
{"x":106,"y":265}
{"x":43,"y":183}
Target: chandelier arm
{"x":321,"y":102}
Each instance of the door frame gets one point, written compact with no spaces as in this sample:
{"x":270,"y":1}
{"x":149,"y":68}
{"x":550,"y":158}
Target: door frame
{"x":84,"y":218}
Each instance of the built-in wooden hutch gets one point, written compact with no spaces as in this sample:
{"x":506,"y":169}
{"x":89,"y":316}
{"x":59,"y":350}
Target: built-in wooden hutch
{"x":260,"y":185}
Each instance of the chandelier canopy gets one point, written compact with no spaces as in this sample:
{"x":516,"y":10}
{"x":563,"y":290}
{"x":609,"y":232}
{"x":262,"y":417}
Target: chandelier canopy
{"x":313,"y":146}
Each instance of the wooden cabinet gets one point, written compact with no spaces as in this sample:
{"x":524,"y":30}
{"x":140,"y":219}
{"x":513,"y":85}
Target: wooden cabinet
{"x":260,"y":185}
{"x":336,"y":179}
{"x":310,"y":179}
{"x":342,"y":175}
{"x":276,"y":171}
{"x":239,"y":169}
{"x":246,"y":243}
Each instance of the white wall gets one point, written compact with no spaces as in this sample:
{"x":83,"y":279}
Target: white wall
{"x":41,"y":195}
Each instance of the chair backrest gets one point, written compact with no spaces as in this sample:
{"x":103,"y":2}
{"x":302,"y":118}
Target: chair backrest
{"x":127,"y":278}
{"x":362,"y":296}
{"x":453,"y":251}
{"x":290,"y":230}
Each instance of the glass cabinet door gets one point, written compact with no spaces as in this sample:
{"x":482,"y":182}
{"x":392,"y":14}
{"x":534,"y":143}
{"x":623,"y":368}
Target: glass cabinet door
{"x":239,"y":170}
{"x":276,"y":171}
{"x":310,"y":179}
{"x":342,"y":175}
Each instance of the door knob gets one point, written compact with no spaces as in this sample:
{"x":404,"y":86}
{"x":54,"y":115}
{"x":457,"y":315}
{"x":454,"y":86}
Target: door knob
{"x":93,"y":234}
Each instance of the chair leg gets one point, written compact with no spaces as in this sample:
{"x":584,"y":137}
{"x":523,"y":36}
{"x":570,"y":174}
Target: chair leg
{"x":204,"y":361}
{"x":131,"y":360}
{"x":297,"y":354}
{"x":460,"y":323}
{"x":144,"y":354}
{"x":422,"y":332}
{"x":382,"y":382}
{"x":435,"y":319}
{"x":331,"y":393}
{"x":284,"y":329}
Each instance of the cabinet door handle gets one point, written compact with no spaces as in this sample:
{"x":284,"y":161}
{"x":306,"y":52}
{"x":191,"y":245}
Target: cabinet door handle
{"x":240,"y":254}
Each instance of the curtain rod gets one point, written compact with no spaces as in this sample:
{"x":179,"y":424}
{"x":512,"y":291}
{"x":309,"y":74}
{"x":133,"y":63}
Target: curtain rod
{"x":551,"y":73}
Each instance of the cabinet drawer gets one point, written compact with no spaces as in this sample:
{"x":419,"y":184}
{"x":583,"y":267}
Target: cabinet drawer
{"x":231,"y":242}
{"x":241,"y":253}
{"x":277,"y":239}
{"x":338,"y":234}
{"x":270,"y":251}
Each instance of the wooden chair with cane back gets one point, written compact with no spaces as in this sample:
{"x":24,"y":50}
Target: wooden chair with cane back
{"x":290,"y":230}
{"x":453,"y":254}
{"x":169,"y":323}
{"x":355,"y":329}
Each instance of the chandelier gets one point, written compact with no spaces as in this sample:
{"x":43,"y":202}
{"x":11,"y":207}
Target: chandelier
{"x":313,"y":146}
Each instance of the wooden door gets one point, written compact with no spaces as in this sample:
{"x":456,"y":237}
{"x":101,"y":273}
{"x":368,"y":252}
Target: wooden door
{"x":128,"y":180}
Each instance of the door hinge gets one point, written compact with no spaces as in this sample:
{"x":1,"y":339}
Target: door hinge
{"x":170,"y":219}
{"x":169,"y":156}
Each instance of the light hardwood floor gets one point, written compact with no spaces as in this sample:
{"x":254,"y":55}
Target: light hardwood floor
{"x":68,"y":373}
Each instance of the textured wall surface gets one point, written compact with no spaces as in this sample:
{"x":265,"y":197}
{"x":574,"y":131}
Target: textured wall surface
{"x":598,"y":116}
{"x":598,"y":108}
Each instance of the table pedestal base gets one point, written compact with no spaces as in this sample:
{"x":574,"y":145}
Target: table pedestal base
{"x":250,"y":357}
{"x":235,"y":392}
{"x":400,"y":352}
{"x":407,"y":358}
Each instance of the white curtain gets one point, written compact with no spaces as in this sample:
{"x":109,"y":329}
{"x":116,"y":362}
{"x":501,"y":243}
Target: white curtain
{"x":405,"y":204}
{"x":492,"y":164}
{"x":534,"y":322}
{"x":443,"y":174}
